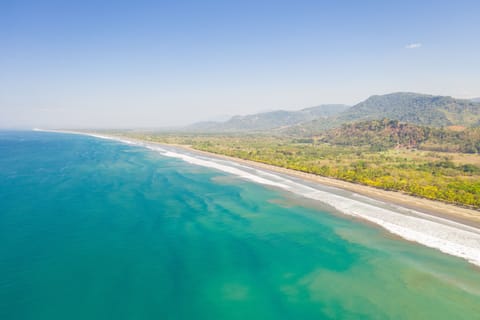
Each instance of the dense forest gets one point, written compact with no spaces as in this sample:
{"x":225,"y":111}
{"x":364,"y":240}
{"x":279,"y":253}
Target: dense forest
{"x":386,"y":134}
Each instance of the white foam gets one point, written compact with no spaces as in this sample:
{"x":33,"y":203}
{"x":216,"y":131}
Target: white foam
{"x":448,"y":237}
{"x":225,"y":168}
{"x":451,"y":238}
{"x":444,"y":235}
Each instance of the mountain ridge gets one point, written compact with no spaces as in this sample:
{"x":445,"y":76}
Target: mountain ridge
{"x":269,"y":120}
{"x":409,"y":107}
{"x":414,"y":108}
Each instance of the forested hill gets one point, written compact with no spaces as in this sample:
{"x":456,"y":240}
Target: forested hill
{"x":385,"y":134}
{"x":415,"y":108}
{"x":270,"y":120}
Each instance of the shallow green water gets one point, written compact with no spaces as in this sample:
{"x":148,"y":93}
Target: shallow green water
{"x":94,"y":229}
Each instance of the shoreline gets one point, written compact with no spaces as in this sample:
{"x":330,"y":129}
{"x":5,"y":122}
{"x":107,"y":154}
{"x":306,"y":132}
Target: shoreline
{"x":438,"y":209}
{"x":452,"y":230}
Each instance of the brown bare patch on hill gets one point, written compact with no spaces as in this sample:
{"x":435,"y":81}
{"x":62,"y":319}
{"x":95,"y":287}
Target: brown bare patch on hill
{"x":456,"y":128}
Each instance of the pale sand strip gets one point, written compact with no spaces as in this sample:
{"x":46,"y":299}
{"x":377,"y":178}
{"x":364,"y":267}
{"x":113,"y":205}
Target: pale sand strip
{"x":448,"y":211}
{"x":445,"y":235}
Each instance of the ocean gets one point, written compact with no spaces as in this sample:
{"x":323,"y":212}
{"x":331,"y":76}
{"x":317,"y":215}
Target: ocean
{"x":98,"y":229}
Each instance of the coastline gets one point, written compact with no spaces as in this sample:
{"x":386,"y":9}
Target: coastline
{"x":439,"y":209}
{"x":447,"y":228}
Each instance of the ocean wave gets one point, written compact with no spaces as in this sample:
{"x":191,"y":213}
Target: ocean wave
{"x":225,"y":168}
{"x":445,"y":237}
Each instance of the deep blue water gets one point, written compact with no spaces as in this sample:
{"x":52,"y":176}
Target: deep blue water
{"x":96,"y":229}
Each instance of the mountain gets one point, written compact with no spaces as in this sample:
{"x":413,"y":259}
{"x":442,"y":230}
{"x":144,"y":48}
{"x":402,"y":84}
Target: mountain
{"x":415,"y":108}
{"x":270,"y":120}
{"x":408,"y":107}
{"x":475,"y":99}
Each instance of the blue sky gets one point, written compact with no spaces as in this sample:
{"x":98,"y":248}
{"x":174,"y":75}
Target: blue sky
{"x":159,"y":63}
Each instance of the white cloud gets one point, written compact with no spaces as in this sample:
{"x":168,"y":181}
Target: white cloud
{"x":413,"y":45}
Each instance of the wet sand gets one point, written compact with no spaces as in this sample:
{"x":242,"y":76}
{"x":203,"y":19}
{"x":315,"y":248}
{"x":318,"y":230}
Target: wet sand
{"x":455,"y":213}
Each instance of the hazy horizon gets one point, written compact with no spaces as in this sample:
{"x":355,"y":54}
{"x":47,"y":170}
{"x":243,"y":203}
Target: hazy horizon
{"x":162,"y":64}
{"x":213,"y":118}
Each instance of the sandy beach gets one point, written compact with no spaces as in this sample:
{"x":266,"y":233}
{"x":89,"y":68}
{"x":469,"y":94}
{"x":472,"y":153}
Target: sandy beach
{"x":452,"y":212}
{"x":450,"y":229}
{"x":448,"y":211}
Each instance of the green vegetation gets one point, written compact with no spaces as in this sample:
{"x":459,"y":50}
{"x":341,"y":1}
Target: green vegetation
{"x":429,"y":148}
{"x":386,"y":134}
{"x":416,"y":108}
{"x":413,"y":108}
{"x":449,"y":177}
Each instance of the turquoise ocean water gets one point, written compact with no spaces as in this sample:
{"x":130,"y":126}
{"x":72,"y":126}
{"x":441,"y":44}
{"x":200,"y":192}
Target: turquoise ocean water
{"x":96,"y":229}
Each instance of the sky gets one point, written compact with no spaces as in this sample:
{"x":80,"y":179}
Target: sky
{"x":119,"y":64}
